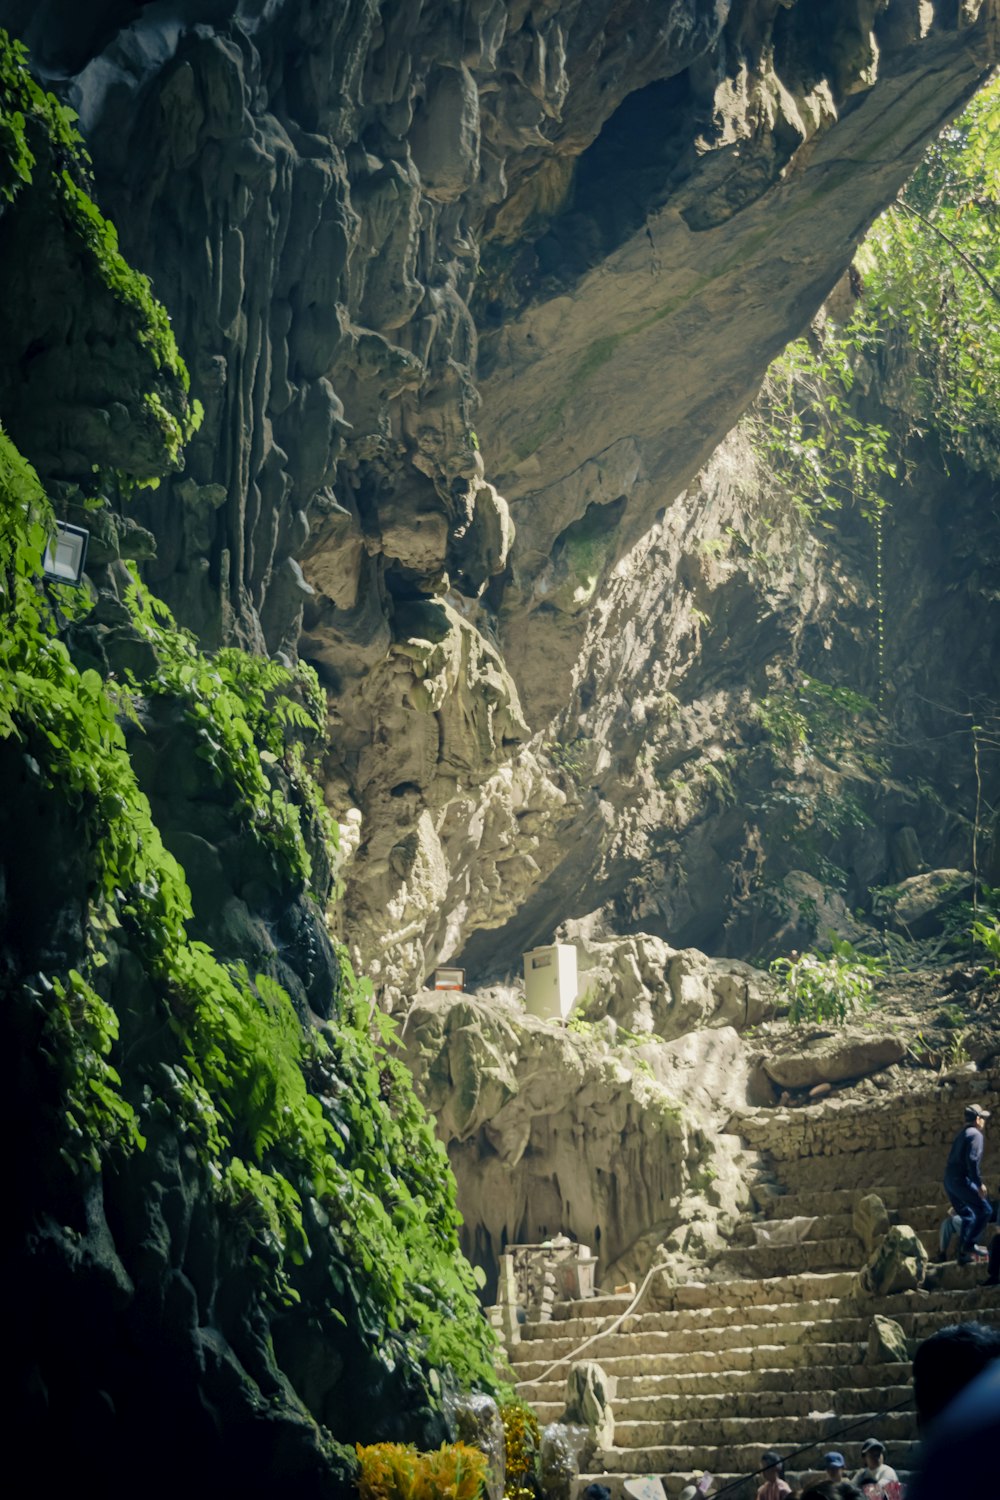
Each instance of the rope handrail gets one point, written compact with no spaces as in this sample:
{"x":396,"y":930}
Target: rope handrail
{"x":741,"y":1479}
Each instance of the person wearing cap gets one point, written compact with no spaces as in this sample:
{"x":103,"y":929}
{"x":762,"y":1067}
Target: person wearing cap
{"x":875,"y":1471}
{"x":834,"y":1465}
{"x":963,"y":1183}
{"x":774,"y":1487}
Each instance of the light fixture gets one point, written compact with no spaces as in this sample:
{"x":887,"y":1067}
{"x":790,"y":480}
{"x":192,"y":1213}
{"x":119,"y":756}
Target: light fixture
{"x":66,"y":553}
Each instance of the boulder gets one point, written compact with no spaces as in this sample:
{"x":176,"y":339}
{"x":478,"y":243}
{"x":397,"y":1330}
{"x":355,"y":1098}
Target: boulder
{"x":588,"y":1401}
{"x":920,"y":905}
{"x":870,"y":1221}
{"x":566,"y":1450}
{"x":815,"y":913}
{"x":897,"y":1265}
{"x":886,"y":1343}
{"x":478,"y":1423}
{"x":829,"y":1057}
{"x":713,"y":992}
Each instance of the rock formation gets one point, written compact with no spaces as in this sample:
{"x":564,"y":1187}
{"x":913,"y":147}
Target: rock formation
{"x":470,"y":296}
{"x":583,"y":1131}
{"x":369,"y":223}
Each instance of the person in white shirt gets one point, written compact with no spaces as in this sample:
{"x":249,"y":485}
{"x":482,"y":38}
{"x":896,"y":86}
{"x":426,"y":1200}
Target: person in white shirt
{"x":876,"y":1470}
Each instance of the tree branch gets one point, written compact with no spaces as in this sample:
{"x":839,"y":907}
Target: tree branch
{"x":979,"y":275}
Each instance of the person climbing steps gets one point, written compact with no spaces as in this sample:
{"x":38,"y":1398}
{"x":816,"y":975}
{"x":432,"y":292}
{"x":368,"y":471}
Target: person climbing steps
{"x":963,"y":1182}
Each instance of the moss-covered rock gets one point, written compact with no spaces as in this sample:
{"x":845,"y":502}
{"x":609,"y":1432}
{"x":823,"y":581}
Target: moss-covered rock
{"x":234,"y":1221}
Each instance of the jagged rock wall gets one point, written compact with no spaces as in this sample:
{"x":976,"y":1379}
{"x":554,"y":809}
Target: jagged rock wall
{"x":680,"y":820}
{"x":628,"y":209}
{"x":610,"y":1131}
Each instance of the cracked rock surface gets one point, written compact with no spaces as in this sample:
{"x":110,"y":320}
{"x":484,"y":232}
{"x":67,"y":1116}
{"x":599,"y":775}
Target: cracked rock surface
{"x":468,"y":294}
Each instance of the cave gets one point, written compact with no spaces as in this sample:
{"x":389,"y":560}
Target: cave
{"x":539,"y":467}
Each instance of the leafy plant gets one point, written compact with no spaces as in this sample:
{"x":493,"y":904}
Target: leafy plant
{"x":570,"y":756}
{"x":276,"y":1115}
{"x":827,"y":987}
{"x":813,"y":716}
{"x":43,"y":150}
{"x":804,"y":430}
{"x":987,"y":935}
{"x":242,"y":709}
{"x":932,"y":268}
{"x":522,"y":1450}
{"x":397,"y":1471}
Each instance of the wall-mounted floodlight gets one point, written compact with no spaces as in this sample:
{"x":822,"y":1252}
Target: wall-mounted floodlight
{"x":66,"y":553}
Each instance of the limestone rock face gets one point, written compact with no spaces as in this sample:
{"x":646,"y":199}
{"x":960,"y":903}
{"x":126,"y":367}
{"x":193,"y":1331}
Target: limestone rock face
{"x":645,"y":986}
{"x":446,"y":276}
{"x":779,"y":174}
{"x":543,"y":1125}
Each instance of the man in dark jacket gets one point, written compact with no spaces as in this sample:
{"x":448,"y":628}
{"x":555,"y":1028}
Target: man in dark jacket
{"x":963,"y":1183}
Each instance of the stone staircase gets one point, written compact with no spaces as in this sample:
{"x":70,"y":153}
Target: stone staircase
{"x":770,"y":1351}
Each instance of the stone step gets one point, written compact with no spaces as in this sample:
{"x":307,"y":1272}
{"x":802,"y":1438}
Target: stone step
{"x":785,"y":1430}
{"x":948,"y":1287}
{"x":685,"y":1318}
{"x":761,"y":1357}
{"x":918,"y":1316}
{"x":830,"y":1222}
{"x":734,"y":1383}
{"x":720,"y":1405}
{"x":844,"y":1253}
{"x":673,"y":1484}
{"x":743,"y":1458}
{"x":654,"y":1343}
{"x":740,"y":1291}
{"x":818,"y":1253}
{"x":760,"y":1347}
{"x":604,"y":1305}
{"x":841,"y":1200}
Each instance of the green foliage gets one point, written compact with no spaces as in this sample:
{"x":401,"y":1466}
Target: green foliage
{"x":832,"y":724}
{"x":21,"y":102}
{"x":40,"y":147}
{"x":931,"y":288}
{"x":522,"y":1450}
{"x":276,"y":1114}
{"x":242,"y":709}
{"x":987,"y":935}
{"x":397,"y":1471}
{"x":829,"y":987}
{"x":624,"y":1039}
{"x":804,"y":431}
{"x":932,"y":267}
{"x":572,"y":757}
{"x":80,"y":1031}
{"x":814,"y":716}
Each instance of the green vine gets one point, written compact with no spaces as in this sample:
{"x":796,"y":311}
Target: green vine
{"x":242,"y":709}
{"x":276,"y":1113}
{"x":40,"y":147}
